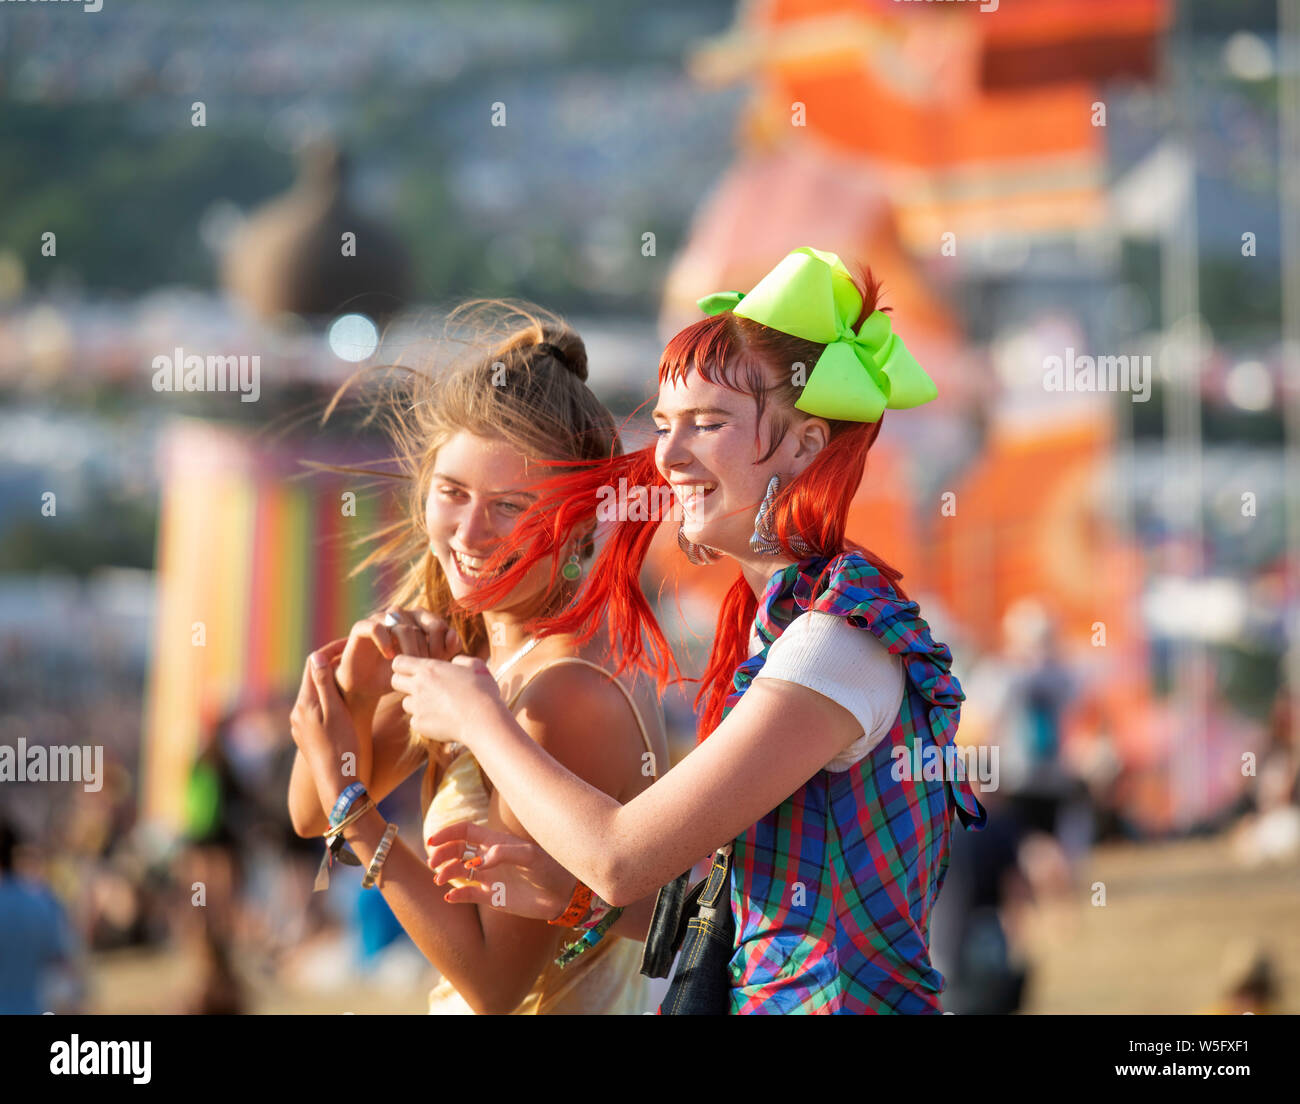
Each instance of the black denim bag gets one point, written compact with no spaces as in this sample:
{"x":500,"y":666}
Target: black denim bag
{"x":699,"y":924}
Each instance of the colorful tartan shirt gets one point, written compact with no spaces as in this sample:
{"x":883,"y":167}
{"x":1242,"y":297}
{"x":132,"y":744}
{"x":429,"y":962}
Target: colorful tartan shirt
{"x":832,"y":890}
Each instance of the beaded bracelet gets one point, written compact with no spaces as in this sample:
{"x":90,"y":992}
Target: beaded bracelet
{"x":589,"y":939}
{"x":579,"y":903}
{"x":381,"y":854}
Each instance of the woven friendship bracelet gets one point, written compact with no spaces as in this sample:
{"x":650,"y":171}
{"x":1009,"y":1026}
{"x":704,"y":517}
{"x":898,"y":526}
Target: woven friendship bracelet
{"x":589,"y":939}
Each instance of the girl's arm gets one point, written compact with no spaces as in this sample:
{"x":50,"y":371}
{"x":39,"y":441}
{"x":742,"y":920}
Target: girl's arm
{"x":778,"y":736}
{"x":489,"y":968}
{"x":393,"y":761}
{"x":534,"y":884}
{"x":386,"y":758}
{"x":492,"y":958}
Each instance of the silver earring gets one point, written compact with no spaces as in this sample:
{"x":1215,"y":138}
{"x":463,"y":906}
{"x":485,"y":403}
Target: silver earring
{"x":694,"y":552}
{"x":764,"y":540}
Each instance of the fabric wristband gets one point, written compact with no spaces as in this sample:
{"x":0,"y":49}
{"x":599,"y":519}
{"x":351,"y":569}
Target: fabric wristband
{"x":334,"y":833}
{"x":579,"y":903}
{"x":589,"y":939}
{"x":599,"y":908}
{"x":344,"y":803}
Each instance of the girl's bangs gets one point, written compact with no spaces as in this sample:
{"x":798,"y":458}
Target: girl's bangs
{"x":711,"y":347}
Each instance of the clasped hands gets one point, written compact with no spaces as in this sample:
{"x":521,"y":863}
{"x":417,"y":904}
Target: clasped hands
{"x":447,"y":695}
{"x":411,"y":652}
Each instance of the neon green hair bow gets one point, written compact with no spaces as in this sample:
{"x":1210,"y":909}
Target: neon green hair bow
{"x":810,"y":294}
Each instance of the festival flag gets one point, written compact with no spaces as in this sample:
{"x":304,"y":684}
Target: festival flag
{"x":252,"y":575}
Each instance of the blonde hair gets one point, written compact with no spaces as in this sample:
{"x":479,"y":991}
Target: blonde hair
{"x":502,"y":369}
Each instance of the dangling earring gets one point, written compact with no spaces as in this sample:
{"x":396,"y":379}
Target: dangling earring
{"x":573,"y":569}
{"x":697,"y":553}
{"x":764,"y":540}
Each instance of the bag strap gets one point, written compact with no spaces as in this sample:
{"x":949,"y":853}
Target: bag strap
{"x":676,"y":903}
{"x":717,"y":886}
{"x":660,"y":941}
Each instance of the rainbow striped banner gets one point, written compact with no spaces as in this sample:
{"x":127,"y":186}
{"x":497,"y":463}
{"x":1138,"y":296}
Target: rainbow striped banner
{"x":251,"y":575}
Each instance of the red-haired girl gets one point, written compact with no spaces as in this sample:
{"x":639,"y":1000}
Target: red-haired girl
{"x":823,"y":687}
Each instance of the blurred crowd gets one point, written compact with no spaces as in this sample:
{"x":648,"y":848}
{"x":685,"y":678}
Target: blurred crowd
{"x":80,"y":874}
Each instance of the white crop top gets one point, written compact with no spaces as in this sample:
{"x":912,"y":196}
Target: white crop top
{"x":848,"y":665}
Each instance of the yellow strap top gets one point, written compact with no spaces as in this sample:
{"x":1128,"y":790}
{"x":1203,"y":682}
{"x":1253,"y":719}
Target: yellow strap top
{"x":606,"y":979}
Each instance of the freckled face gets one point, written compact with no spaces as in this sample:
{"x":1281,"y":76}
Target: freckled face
{"x":708,"y":451}
{"x":480,"y":488}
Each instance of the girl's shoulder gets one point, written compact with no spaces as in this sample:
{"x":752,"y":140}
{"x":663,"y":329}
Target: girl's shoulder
{"x":569,"y":690}
{"x":583,"y":718}
{"x":850,"y":585}
{"x":840,"y":661}
{"x":853,"y":567}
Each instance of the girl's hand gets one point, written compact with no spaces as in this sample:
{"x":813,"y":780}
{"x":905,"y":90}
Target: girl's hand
{"x":366,"y":669}
{"x":324,"y":731}
{"x":509,"y":873}
{"x":447,"y":702}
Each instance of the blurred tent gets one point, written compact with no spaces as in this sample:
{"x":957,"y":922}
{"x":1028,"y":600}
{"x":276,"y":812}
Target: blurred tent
{"x":252,"y":568}
{"x":1032,"y":520}
{"x":916,"y":120}
{"x":876,"y":129}
{"x":1029,"y":518}
{"x":974,"y":123}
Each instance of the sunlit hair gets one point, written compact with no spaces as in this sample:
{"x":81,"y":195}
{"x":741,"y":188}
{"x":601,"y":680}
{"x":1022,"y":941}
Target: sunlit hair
{"x":748,"y":358}
{"x":490,"y":374}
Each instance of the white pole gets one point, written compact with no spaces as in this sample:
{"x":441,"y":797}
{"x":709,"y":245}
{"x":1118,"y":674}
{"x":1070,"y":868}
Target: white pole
{"x":1180,"y":300}
{"x":1288,"y":177}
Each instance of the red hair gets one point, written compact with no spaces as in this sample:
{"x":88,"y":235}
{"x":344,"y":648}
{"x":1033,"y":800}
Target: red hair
{"x":745,"y":357}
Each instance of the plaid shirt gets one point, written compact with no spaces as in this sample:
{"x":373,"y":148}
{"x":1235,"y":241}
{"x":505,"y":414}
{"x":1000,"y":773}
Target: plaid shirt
{"x":832,"y":890}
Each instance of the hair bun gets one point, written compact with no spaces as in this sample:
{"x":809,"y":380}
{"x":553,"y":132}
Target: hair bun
{"x":568,"y":349}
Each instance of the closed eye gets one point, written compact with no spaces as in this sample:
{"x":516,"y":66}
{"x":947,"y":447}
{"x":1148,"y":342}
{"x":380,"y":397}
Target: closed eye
{"x":661,"y":430}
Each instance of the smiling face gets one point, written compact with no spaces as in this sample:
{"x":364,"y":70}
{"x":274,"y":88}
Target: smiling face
{"x":479,"y":490}
{"x":710,"y":441}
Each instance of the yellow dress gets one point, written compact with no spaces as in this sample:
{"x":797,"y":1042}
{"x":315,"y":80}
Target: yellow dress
{"x":605,"y":980}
